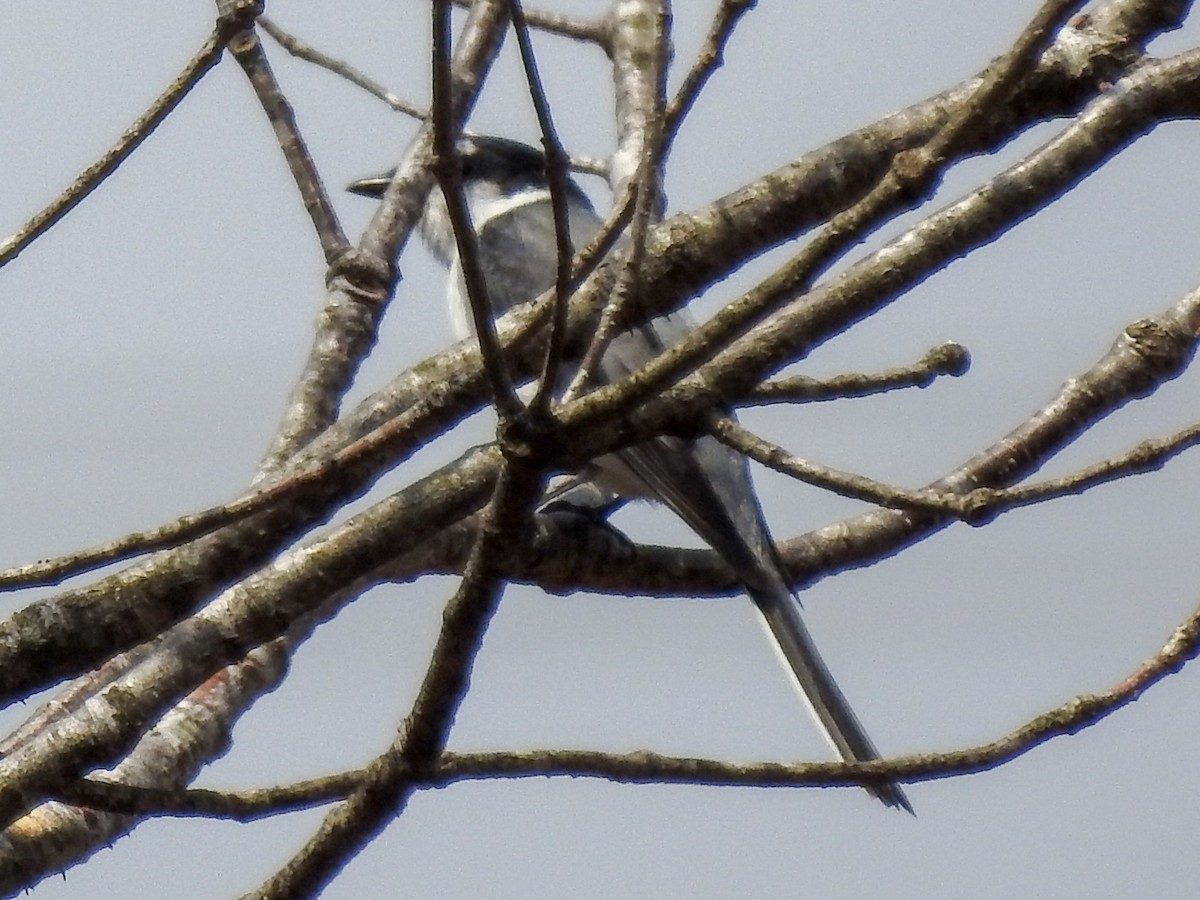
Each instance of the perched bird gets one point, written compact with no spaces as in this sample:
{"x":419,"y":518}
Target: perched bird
{"x":705,"y":483}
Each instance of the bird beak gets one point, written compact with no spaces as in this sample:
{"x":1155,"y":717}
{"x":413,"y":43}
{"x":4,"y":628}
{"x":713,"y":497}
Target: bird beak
{"x":371,"y":186}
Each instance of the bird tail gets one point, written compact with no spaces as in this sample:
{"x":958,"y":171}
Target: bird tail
{"x":708,"y":486}
{"x":781,"y":613}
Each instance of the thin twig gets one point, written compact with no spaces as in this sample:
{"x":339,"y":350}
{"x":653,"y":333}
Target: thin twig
{"x":556,"y":181}
{"x":648,"y":207}
{"x":171,"y":534}
{"x":1069,"y":718}
{"x":710,"y":58}
{"x":845,"y":484}
{"x":244,"y":806}
{"x":448,"y":171}
{"x":982,"y":504}
{"x":590,"y":165}
{"x":977,"y":506}
{"x":386,"y":441}
{"x":596,"y":31}
{"x":381,"y":446}
{"x":646,"y":767}
{"x":308,"y":53}
{"x":247,"y":50}
{"x":947,"y":359}
{"x":95,"y":174}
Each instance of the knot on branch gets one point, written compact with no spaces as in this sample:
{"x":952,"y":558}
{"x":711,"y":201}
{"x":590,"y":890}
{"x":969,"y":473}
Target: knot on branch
{"x":915,"y":173}
{"x":980,"y":506}
{"x":235,"y":17}
{"x":689,"y":411}
{"x":530,"y":440}
{"x":948,"y":359}
{"x":1164,"y":347}
{"x":367,"y":275}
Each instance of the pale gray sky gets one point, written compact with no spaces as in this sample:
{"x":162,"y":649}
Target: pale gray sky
{"x":148,"y":343}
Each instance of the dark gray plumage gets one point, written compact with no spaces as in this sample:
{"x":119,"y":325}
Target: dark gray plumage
{"x":702,"y":481}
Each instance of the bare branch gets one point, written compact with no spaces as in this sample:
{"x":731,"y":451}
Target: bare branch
{"x":390,"y":779}
{"x":909,"y":180}
{"x":1154,"y":93}
{"x":256,"y":609}
{"x":1085,"y":59}
{"x":646,"y":767}
{"x":1162,"y":89}
{"x":977,"y":506}
{"x":361,"y":282}
{"x":55,"y":835}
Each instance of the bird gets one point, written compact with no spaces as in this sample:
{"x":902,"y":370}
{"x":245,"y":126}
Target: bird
{"x":705,"y":483}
